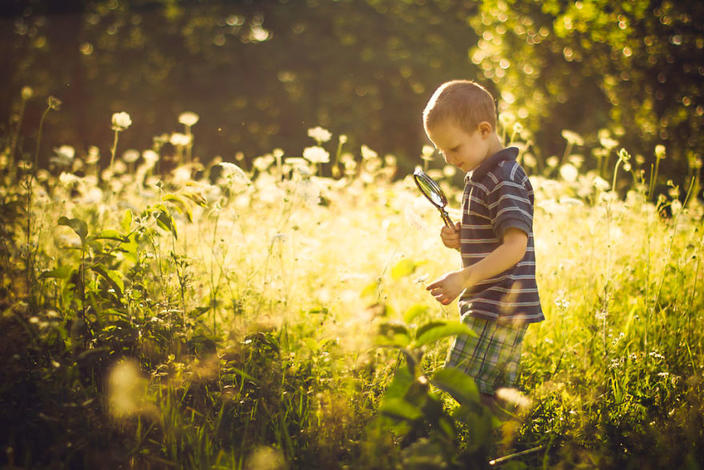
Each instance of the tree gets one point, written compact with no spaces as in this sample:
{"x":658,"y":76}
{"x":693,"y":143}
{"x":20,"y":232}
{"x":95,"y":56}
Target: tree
{"x":633,"y":67}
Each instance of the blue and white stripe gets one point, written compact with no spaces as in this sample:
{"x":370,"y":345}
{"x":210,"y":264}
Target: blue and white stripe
{"x":498,"y":195}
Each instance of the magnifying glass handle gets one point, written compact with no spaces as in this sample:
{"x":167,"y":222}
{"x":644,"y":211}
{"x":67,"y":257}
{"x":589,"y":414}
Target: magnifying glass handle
{"x":446,"y":218}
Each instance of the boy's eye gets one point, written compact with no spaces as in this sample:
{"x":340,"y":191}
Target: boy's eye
{"x":454,"y":149}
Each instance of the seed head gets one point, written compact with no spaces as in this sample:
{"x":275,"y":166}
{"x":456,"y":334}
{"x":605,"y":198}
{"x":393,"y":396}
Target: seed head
{"x":54,"y":103}
{"x":188,"y":118}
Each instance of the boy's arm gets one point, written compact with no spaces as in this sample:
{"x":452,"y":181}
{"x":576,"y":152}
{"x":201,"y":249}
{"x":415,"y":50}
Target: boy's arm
{"x":506,"y":255}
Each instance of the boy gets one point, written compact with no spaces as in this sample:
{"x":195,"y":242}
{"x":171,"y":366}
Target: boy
{"x":497,"y":288}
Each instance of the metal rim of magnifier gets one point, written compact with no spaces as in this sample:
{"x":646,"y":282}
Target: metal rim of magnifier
{"x":419,"y":175}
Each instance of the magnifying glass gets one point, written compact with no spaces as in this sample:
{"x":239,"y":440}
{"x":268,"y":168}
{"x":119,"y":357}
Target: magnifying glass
{"x":431,"y":190}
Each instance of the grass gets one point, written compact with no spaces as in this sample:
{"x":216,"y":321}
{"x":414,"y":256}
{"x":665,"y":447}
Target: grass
{"x":212,"y":318}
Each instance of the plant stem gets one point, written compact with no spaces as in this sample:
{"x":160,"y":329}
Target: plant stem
{"x":190,"y":144}
{"x":29,"y":196}
{"x":114,"y":149}
{"x":15,"y":137}
{"x":613,"y":183}
{"x":653,"y":177}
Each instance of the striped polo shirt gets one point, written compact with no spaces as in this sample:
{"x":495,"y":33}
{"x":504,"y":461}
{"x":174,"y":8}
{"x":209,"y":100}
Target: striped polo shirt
{"x":498,"y":195}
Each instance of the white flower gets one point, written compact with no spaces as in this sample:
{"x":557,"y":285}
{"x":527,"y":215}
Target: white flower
{"x":368,"y":153}
{"x":188,"y":118}
{"x":119,"y":167}
{"x":299,"y":165}
{"x":181,"y":175}
{"x":659,"y":151}
{"x":319,"y":134}
{"x":552,"y":161}
{"x":65,"y":152}
{"x":263,"y":162}
{"x":316,"y":154}
{"x":121,"y":121}
{"x":150,"y":156}
{"x":130,"y":156}
{"x":569,"y":172}
{"x":308,"y":191}
{"x":93,"y":155}
{"x":427,"y":152}
{"x":179,"y":139}
{"x":343,"y":138}
{"x":607,"y":142}
{"x":601,"y":184}
{"x":63,"y":156}
{"x":576,"y":160}
{"x":68,"y":179}
{"x":92,"y":196}
{"x":43,"y":175}
{"x":572,"y":137}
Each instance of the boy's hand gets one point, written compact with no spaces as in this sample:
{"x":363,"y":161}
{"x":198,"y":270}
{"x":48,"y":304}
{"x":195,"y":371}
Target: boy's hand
{"x":451,"y":236}
{"x":447,"y":288}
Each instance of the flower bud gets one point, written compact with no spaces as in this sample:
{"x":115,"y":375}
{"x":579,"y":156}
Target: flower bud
{"x":27,"y":93}
{"x":121,"y":121}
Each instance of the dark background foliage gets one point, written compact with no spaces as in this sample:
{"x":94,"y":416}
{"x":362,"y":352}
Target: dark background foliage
{"x":259,"y":73}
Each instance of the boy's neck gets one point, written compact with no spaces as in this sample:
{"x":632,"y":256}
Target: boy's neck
{"x":494,"y":146}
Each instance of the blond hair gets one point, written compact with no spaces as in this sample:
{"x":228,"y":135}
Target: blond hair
{"x":462,"y":102}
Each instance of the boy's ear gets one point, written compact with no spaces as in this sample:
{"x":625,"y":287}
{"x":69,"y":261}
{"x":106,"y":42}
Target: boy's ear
{"x":485,"y":128}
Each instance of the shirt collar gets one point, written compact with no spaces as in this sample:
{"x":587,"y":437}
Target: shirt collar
{"x":509,"y":153}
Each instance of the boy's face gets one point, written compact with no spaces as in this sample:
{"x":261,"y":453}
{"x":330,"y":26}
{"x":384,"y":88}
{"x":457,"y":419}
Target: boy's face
{"x":460,"y":148}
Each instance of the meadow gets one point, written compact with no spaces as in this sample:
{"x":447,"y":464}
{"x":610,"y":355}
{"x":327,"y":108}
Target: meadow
{"x":158,"y":312}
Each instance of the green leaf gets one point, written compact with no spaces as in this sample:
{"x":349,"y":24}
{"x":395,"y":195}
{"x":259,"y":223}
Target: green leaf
{"x":393,"y":334}
{"x":130,"y":247}
{"x":112,"y":277}
{"x":196,"y":197}
{"x":414,"y":312}
{"x":179,"y":204}
{"x":437,"y":330}
{"x":126,"y":221}
{"x":403,"y":268}
{"x":60,"y":272}
{"x":198,"y":311}
{"x":165,"y":220}
{"x":77,"y":225}
{"x":400,"y":409}
{"x":399,"y":384}
{"x":458,"y":384}
{"x":371,"y":289}
{"x":110,"y":234}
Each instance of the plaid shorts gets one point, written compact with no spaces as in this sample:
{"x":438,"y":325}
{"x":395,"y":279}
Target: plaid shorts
{"x":491,"y":358}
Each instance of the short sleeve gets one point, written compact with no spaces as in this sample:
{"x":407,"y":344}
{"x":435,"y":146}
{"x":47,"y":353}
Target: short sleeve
{"x":511,"y":201}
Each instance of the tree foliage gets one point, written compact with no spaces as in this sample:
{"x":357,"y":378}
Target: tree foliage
{"x":259,"y":73}
{"x":634,"y":68}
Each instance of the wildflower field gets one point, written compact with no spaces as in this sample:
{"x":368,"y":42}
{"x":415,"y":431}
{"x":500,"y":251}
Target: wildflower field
{"x":271,"y":314}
